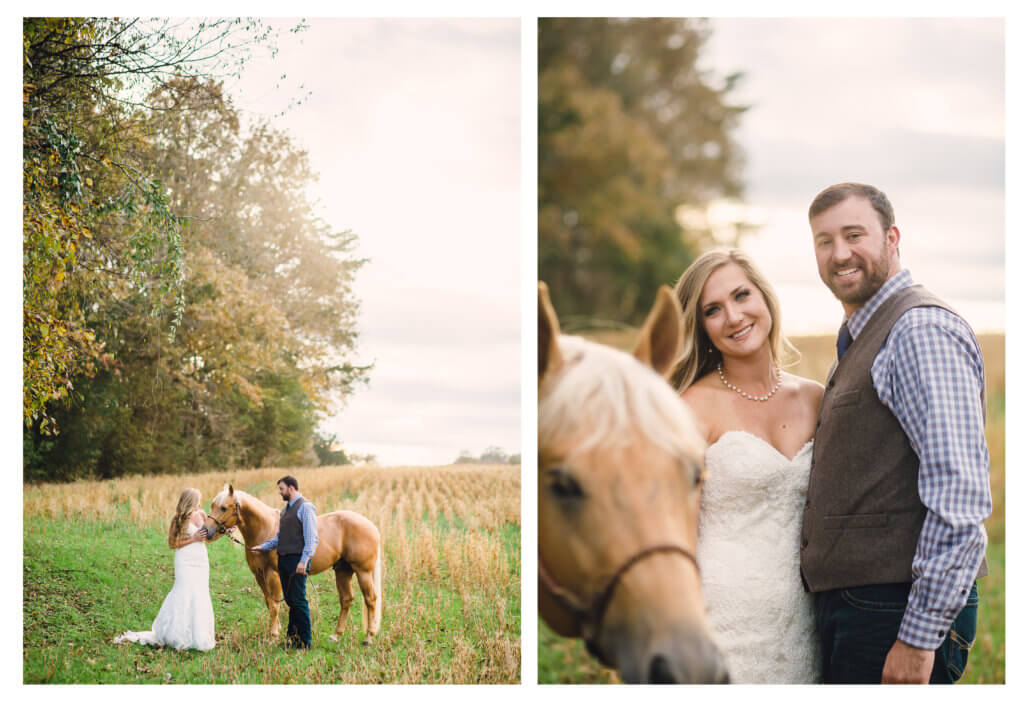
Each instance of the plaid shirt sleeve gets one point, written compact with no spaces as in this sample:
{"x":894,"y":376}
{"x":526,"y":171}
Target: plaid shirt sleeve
{"x":307,"y":516}
{"x":930,"y":375}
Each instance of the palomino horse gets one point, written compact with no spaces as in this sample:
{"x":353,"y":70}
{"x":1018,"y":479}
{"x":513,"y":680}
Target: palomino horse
{"x":349,"y":543}
{"x":620,"y":464}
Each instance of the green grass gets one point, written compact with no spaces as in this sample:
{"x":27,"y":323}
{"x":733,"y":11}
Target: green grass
{"x":85,"y":582}
{"x":987,"y":661}
{"x":565,"y":661}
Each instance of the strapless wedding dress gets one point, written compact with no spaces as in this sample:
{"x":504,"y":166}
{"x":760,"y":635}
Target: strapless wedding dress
{"x":185,"y":619}
{"x":748,"y":546}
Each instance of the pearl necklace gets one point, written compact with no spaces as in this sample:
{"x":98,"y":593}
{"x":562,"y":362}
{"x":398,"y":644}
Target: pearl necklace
{"x":752,"y":397}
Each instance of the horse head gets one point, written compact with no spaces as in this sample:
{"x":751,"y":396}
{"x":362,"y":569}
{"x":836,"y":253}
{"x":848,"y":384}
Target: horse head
{"x":620,"y":464}
{"x":223,"y":514}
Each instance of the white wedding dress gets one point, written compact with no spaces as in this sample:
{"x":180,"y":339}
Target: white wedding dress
{"x":748,"y":546}
{"x":186,"y":616}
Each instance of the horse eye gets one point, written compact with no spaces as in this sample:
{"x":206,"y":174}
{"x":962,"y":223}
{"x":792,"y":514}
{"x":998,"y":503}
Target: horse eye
{"x":699,"y":473}
{"x":563,"y":485}
{"x":696,"y":471}
{"x":223,"y":508}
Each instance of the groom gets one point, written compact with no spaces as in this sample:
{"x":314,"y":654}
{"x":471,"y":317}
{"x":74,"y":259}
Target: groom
{"x":893,"y":535}
{"x":296,"y":541}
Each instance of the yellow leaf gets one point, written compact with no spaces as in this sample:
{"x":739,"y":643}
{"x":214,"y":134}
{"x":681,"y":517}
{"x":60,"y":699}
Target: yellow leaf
{"x":88,"y":181}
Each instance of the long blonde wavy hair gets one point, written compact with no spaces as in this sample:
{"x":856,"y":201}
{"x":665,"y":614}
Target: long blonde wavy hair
{"x":699,"y":356}
{"x":188,"y":502}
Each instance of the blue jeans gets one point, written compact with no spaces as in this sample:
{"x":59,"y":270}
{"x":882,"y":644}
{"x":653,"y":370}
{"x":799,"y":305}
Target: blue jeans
{"x":300,"y":629}
{"x":859,"y":625}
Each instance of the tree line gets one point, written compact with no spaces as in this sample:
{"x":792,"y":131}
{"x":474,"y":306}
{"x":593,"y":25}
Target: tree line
{"x":184,"y":309}
{"x":493,"y":455}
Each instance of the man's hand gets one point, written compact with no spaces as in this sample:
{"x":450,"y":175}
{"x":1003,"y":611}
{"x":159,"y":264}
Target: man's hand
{"x":300,"y":568}
{"x":907,"y":665}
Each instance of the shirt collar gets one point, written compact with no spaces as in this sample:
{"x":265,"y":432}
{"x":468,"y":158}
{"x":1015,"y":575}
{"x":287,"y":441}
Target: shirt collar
{"x":292,"y":502}
{"x":859,"y":319}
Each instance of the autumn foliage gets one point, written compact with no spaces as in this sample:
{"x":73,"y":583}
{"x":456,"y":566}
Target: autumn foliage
{"x":184,"y":308}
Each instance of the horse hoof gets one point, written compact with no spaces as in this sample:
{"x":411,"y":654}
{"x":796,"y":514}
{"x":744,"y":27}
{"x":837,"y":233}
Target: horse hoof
{"x":333,"y":638}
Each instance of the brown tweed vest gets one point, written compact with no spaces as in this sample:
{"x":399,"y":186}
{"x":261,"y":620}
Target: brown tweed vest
{"x":290,"y":540}
{"x":863,"y":514}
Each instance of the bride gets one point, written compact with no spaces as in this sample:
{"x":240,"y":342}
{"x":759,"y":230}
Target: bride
{"x":186,"y":616}
{"x":759,"y":423}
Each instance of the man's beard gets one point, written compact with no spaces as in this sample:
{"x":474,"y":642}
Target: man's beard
{"x":874,"y":277}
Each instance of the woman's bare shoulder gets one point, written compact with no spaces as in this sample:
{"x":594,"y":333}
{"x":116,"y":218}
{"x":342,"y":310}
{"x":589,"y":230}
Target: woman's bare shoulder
{"x":701,"y":393}
{"x":703,"y":397}
{"x":810,"y":391}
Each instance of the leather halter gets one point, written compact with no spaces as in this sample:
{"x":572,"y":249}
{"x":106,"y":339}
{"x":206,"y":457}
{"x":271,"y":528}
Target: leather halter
{"x":590,"y":614}
{"x":221,"y":528}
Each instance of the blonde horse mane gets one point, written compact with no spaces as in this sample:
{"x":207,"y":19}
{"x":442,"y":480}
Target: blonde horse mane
{"x":603,"y":396}
{"x":251,"y":499}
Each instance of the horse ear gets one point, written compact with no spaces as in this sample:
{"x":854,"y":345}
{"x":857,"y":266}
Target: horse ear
{"x":550,"y":357}
{"x":231,"y":491}
{"x":661,"y":335}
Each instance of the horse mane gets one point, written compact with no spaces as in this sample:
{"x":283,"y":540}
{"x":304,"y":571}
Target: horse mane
{"x":603,"y":396}
{"x":223,"y":493}
{"x":245,"y":499}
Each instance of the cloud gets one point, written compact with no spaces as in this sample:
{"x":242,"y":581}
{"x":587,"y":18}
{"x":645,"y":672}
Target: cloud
{"x":789,"y":166}
{"x":413,"y":126}
{"x":913,"y":106}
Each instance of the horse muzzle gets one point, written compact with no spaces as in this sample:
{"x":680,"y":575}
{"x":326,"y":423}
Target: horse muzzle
{"x":213,"y":532}
{"x":686,"y":656}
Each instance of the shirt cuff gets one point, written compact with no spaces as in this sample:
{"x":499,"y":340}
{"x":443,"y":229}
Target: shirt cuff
{"x":924,"y":630}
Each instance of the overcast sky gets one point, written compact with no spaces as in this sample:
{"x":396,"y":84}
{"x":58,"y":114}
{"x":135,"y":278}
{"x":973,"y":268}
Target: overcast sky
{"x":413,"y":126}
{"x":912,"y":106}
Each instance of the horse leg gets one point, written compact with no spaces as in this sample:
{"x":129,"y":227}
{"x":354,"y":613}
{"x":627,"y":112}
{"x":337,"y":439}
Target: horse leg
{"x":343,"y":578}
{"x":273,"y":594}
{"x":378,"y":588}
{"x":371,"y":599}
{"x":261,"y":580}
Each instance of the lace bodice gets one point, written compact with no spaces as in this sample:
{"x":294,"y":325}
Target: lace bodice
{"x":748,"y":549}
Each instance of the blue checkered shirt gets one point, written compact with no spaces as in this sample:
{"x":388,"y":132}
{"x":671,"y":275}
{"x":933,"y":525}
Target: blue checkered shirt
{"x":930,"y":374}
{"x":307,"y":517}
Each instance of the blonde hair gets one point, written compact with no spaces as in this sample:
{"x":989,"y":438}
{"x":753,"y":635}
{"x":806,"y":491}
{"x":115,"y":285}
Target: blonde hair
{"x":605,"y":396}
{"x":699,"y":356}
{"x":188,"y":502}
